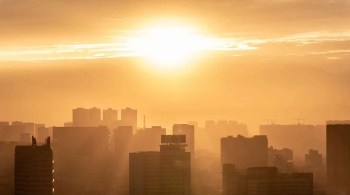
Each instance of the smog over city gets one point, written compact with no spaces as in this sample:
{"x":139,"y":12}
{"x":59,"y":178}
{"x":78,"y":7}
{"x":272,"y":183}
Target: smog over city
{"x":182,"y":97}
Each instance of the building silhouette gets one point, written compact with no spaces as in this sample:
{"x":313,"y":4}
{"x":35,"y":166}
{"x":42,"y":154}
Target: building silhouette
{"x":281,"y":158}
{"x":161,"y":173}
{"x":25,"y":138}
{"x":80,"y":117}
{"x":83,"y":117}
{"x":11,"y":135}
{"x":94,"y":117}
{"x":110,"y":115}
{"x":7,"y":162}
{"x":215,"y":130}
{"x":245,"y":152}
{"x":144,"y":173}
{"x":14,"y":131}
{"x":188,"y":130}
{"x":313,"y":161}
{"x":314,"y":164}
{"x":122,"y":138}
{"x":148,"y":139}
{"x":338,"y":156}
{"x":34,"y":169}
{"x":110,"y":118}
{"x":4,"y":123}
{"x":41,"y":133}
{"x":265,"y":181}
{"x":129,"y":118}
{"x":82,"y":160}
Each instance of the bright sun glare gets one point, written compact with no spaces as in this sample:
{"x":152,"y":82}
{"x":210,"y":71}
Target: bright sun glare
{"x":169,"y":47}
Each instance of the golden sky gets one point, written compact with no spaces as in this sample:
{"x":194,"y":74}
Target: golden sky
{"x":277,"y":59}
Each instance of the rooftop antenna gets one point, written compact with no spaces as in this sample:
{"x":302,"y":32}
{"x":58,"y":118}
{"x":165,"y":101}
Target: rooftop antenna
{"x":304,"y":120}
{"x":301,"y":119}
{"x":271,"y":121}
{"x":267,"y":121}
{"x":144,"y":122}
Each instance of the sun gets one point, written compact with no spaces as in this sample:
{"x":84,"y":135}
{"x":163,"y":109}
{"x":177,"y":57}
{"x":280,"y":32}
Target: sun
{"x":169,"y":47}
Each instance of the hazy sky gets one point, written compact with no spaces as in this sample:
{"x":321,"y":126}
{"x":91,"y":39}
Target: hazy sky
{"x":278,"y":59}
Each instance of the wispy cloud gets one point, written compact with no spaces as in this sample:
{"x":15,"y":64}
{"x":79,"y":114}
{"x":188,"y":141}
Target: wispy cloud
{"x":126,"y":46}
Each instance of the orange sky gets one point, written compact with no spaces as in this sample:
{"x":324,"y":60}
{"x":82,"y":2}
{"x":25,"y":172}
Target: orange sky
{"x":300,"y":67}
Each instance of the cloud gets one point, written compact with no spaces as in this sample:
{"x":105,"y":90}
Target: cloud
{"x":45,"y":22}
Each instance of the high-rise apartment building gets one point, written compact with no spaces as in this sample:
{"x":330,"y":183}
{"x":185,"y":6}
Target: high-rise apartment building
{"x":80,"y":117}
{"x":188,"y":130}
{"x":94,"y":117}
{"x":338,"y":156}
{"x":110,"y":115}
{"x":129,"y":118}
{"x":162,"y":173}
{"x":34,"y":169}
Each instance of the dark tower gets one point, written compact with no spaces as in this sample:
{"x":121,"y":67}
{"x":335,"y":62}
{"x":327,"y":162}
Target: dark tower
{"x":162,"y":173}
{"x":34,"y":169}
{"x":338,"y":156}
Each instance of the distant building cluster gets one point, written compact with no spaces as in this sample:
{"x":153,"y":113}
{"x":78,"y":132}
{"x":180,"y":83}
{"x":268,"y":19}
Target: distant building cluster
{"x":100,"y":153}
{"x":83,"y":117}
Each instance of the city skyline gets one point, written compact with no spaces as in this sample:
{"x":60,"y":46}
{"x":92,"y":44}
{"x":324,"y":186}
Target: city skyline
{"x":181,"y":97}
{"x":90,"y":143}
{"x":253,"y":127}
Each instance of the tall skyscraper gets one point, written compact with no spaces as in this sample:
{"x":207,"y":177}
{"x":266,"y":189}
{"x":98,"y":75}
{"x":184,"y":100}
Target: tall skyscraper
{"x":129,"y":118}
{"x":245,"y":152}
{"x":164,"y":172}
{"x":144,"y":173}
{"x":188,"y":130}
{"x":34,"y":169}
{"x":175,"y":165}
{"x":338,"y":156}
